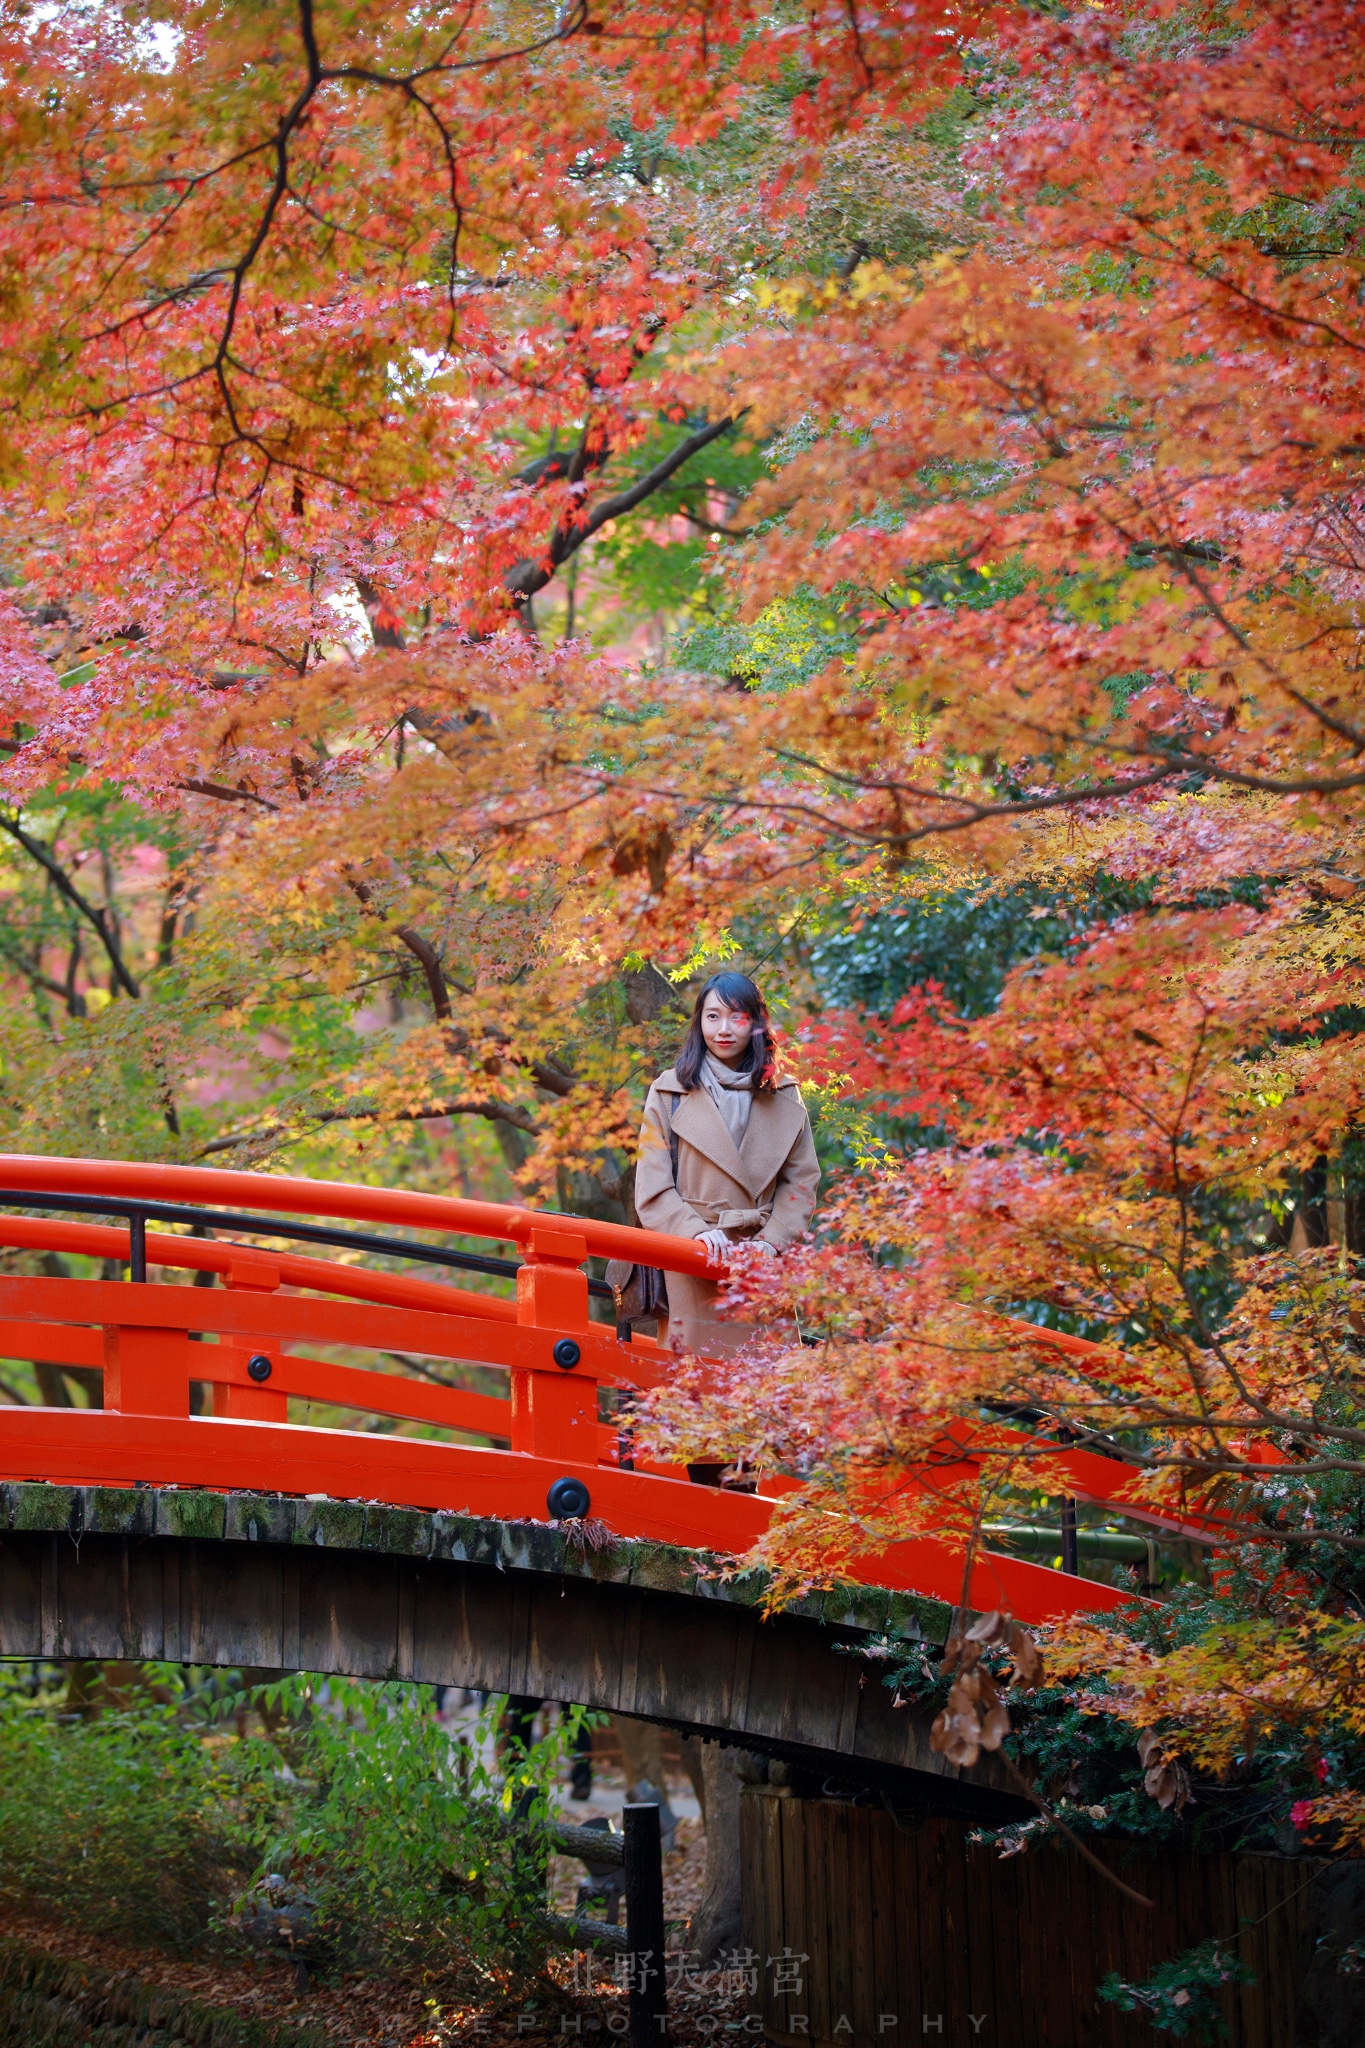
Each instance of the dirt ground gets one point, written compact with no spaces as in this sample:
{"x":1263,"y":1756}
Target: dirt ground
{"x":369,"y":2012}
{"x":362,"y":2011}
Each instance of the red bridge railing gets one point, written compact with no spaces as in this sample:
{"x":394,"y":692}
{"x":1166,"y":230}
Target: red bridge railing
{"x":565,"y":1455}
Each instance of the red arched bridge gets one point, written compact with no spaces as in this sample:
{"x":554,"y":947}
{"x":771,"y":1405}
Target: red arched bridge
{"x":156,"y":1339}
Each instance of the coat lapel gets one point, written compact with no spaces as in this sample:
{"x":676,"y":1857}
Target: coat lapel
{"x":774,"y":1126}
{"x":697,"y":1119}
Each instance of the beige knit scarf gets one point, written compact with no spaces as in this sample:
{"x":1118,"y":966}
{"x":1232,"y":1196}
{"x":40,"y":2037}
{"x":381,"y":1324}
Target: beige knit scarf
{"x":732,"y":1094}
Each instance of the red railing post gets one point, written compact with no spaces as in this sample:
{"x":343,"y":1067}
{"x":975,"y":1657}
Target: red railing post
{"x":257,"y":1402}
{"x":554,"y":1401}
{"x":146,"y":1371}
{"x":552,"y":1289}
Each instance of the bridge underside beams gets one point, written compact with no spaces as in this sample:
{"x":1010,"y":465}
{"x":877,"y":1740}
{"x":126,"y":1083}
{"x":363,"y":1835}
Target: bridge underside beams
{"x":786,"y":1686}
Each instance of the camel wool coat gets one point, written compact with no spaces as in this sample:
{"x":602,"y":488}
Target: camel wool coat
{"x":764,"y":1187}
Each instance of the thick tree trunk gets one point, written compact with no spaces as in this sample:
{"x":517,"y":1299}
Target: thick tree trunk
{"x":692,"y":1747}
{"x":642,"y":1752}
{"x":717,"y":1926}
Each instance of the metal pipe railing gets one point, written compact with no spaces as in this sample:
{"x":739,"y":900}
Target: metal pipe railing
{"x":140,"y":1213}
{"x":142,"y":1183}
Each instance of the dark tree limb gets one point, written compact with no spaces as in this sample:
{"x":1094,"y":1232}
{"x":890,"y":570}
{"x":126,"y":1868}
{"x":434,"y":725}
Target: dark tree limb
{"x":384,"y":634}
{"x":493,"y":1111}
{"x":552,"y":1077}
{"x":93,"y":913}
{"x":529,"y":576}
{"x":33,"y":974}
{"x":191,"y":783}
{"x":225,"y":794}
{"x":431,"y":967}
{"x":523,"y":581}
{"x":75,"y":1001}
{"x":547,"y":1074}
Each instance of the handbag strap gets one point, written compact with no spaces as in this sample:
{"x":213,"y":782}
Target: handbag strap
{"x":672,"y":1134}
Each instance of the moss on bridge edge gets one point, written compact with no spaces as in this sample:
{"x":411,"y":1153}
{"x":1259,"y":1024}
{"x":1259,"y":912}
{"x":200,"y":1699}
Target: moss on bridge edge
{"x":556,"y":1548}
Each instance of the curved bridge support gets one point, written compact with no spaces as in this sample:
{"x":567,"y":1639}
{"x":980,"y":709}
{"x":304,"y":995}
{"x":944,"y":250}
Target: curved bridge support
{"x":381,"y":1592}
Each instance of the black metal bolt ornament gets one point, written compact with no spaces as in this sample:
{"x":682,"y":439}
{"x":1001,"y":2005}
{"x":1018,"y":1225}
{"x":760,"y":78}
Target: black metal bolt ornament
{"x":568,"y":1500}
{"x":258,"y":1368}
{"x":566,"y":1353}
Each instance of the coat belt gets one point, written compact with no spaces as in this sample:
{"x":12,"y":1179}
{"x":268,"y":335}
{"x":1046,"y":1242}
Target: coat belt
{"x":743,"y":1222}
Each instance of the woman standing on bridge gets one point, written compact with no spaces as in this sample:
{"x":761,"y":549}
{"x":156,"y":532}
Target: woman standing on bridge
{"x":726,"y":1154}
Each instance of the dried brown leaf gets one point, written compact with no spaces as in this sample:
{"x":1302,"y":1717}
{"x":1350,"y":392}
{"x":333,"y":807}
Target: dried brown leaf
{"x":963,"y":1747}
{"x":1028,"y":1658}
{"x":996,"y":1726}
{"x":988,"y":1628}
{"x":1169,"y":1785}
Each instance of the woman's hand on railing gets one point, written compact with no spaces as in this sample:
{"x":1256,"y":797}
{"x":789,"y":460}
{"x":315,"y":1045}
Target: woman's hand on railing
{"x":720,"y":1245}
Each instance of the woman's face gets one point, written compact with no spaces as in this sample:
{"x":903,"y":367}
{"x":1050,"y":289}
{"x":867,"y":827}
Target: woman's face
{"x":727,"y":1032}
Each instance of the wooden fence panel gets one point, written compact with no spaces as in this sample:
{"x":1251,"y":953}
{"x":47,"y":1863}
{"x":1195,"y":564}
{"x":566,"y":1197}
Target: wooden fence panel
{"x":885,"y":1962}
{"x":913,"y":1915}
{"x":907,"y":1923}
{"x":864,"y":1904}
{"x":824,"y":1887}
{"x":1001,"y":1995}
{"x":794,"y":1841}
{"x":950,"y":1892}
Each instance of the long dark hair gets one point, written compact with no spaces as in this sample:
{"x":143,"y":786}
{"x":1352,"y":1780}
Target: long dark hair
{"x":737,"y":992}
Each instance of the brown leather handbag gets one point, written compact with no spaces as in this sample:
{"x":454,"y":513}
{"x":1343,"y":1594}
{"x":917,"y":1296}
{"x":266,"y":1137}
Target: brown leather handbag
{"x":640,"y":1292}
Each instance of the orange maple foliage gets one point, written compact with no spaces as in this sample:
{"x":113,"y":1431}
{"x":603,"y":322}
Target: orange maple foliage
{"x":290,"y":298}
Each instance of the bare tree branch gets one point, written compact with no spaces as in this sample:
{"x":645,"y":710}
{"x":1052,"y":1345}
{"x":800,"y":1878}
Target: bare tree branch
{"x":225,"y":794}
{"x":91,"y":912}
{"x":530,"y":576}
{"x":493,"y":1111}
{"x":431,"y":967}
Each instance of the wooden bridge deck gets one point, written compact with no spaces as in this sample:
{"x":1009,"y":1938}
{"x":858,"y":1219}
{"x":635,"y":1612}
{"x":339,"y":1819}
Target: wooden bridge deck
{"x":634,"y":1627}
